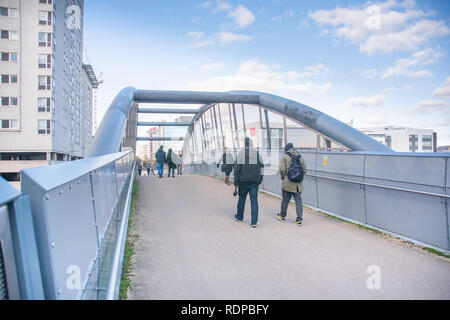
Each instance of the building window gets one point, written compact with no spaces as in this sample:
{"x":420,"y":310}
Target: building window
{"x":44,"y":104}
{"x":9,"y":34}
{"x":45,"y":39}
{"x":44,"y":127}
{"x":45,"y":1}
{"x":45,"y":18}
{"x":9,"y":124}
{"x":413,"y":142}
{"x":8,"y":12}
{"x":427,"y":143}
{"x":7,"y":78}
{"x":9,"y":101}
{"x":9,"y":57}
{"x":13,"y":35}
{"x":45,"y":61}
{"x":389,"y":141}
{"x":44,"y":82}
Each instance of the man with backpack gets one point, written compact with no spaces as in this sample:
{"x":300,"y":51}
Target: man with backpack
{"x":292,"y":171}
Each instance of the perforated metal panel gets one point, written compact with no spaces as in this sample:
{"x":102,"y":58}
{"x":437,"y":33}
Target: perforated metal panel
{"x":3,"y":287}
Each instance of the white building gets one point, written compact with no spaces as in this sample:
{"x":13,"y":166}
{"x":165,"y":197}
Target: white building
{"x":46,"y":94}
{"x":403,"y":139}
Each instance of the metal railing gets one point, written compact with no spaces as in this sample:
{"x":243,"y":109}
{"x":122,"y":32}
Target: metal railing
{"x":80,"y":209}
{"x":20,"y":274}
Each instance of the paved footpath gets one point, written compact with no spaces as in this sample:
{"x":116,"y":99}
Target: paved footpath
{"x":191,"y":248}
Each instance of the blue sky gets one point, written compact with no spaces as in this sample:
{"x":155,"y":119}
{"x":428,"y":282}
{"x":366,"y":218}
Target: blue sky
{"x":378,"y":62}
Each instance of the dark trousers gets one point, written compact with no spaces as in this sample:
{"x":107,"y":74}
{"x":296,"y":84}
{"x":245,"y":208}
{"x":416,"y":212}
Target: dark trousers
{"x":171,"y":170}
{"x":245,"y":189}
{"x":298,"y":203}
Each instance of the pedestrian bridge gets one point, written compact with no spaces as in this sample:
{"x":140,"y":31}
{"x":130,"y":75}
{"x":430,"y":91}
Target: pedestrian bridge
{"x":63,"y":235}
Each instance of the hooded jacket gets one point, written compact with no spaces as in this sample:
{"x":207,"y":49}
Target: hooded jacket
{"x":285,"y":163}
{"x":248,"y":167}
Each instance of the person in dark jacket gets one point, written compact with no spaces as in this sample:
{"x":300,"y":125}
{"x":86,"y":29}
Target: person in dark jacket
{"x":171,"y":165}
{"x":139,"y":168}
{"x":248,"y":176}
{"x":160,"y":160}
{"x":227,"y":161}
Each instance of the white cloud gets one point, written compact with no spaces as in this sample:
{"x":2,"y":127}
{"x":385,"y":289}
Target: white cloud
{"x":242,"y":17}
{"x":253,"y":75}
{"x":381,"y":27}
{"x":408,"y":66}
{"x":230,"y":37}
{"x":432,"y":106}
{"x":317,"y":70}
{"x":304,"y":24}
{"x":373,"y":101}
{"x":195,"y":35}
{"x":443,"y":91}
{"x":212,"y":66}
{"x":285,"y":15}
{"x":369,"y":73}
{"x":206,"y":4}
{"x":221,"y":6}
{"x":200,"y":40}
{"x":222,"y":38}
{"x":387,"y":90}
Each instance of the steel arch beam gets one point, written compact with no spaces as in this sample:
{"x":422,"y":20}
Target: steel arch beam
{"x":111,"y":132}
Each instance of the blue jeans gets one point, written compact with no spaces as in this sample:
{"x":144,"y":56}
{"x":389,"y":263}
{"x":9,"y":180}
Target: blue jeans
{"x":252,"y":189}
{"x":160,"y":168}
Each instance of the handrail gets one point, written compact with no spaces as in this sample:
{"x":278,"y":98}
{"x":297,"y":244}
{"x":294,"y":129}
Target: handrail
{"x":109,"y":136}
{"x":116,"y":268}
{"x":381,"y":186}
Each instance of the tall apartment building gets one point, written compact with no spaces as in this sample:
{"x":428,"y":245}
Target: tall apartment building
{"x":403,"y":139}
{"x":45,"y":92}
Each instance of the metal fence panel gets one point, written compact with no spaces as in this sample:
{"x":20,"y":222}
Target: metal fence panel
{"x":104,"y":192}
{"x":72,"y":233}
{"x":73,"y":205}
{"x":423,"y":173}
{"x":413,"y":215}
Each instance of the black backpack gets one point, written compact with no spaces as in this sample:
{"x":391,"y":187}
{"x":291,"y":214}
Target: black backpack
{"x":295,"y":172}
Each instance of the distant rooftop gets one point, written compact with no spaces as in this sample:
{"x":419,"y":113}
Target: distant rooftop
{"x":91,"y":74}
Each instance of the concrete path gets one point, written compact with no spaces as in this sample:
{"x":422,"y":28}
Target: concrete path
{"x":191,"y":248}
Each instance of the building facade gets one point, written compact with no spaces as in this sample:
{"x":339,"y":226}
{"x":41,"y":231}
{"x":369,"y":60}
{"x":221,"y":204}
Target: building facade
{"x":46,"y":94}
{"x":403,"y":139}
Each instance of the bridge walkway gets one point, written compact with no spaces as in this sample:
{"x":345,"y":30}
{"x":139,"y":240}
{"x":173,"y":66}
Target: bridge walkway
{"x":190,"y":247}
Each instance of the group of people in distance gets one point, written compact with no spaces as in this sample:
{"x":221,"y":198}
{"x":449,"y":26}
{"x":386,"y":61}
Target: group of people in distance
{"x":248,"y":176}
{"x":172,"y":160}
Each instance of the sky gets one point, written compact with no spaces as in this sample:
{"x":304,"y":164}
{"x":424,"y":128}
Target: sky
{"x":375,"y":63}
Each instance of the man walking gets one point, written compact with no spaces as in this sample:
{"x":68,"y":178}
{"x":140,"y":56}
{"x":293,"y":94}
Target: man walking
{"x":292,"y":177}
{"x":247,"y":177}
{"x":160,"y":160}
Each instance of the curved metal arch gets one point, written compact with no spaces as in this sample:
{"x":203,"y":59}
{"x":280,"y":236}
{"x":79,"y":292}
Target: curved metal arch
{"x":311,"y":118}
{"x":110,"y":134}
